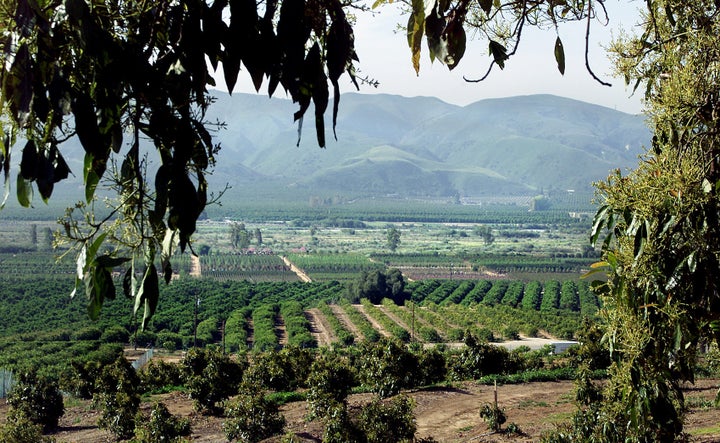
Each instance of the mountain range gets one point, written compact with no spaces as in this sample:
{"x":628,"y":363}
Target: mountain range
{"x":423,"y":147}
{"x":403,"y":147}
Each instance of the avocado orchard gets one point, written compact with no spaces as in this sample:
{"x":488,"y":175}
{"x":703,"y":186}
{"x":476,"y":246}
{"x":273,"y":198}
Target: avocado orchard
{"x":104,"y":70}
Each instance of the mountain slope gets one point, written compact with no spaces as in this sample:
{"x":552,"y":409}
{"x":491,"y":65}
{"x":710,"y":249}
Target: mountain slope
{"x":423,"y":146}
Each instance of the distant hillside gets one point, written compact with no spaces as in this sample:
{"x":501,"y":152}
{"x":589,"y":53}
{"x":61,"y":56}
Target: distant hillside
{"x":425,"y":147}
{"x":408,"y":147}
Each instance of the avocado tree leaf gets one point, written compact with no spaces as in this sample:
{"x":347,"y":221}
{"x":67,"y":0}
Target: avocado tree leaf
{"x":151,"y":293}
{"x":415,"y":31}
{"x":434,"y":28}
{"x":340,"y":48}
{"x":456,"y":41}
{"x":30,"y":161}
{"x":560,"y":55}
{"x":24,"y":191}
{"x":486,"y":6}
{"x":128,"y":282}
{"x":499,"y":53}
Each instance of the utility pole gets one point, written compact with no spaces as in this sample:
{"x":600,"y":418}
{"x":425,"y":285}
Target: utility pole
{"x":412,"y":334}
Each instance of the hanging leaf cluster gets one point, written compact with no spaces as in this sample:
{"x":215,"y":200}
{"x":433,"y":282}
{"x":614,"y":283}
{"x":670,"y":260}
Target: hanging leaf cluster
{"x":443,"y":24}
{"x":113,"y":73}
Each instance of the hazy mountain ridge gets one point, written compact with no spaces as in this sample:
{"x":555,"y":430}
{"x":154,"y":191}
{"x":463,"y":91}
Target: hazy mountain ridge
{"x":422,"y":146}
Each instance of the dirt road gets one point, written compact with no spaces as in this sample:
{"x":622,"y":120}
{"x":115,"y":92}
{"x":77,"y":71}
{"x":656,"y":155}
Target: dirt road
{"x":299,"y":272}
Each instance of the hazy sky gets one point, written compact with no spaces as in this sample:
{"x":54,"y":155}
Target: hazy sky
{"x":385,"y":56}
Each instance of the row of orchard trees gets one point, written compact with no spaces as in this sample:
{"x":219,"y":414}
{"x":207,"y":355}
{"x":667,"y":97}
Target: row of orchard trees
{"x":534,"y":295}
{"x":237,"y":389}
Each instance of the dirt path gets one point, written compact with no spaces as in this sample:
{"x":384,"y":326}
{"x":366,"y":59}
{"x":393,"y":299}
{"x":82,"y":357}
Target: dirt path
{"x":250,"y":333}
{"x":395,"y":318}
{"x":346,"y":322}
{"x":372,"y":321}
{"x":299,"y":272}
{"x":319,"y":328}
{"x":195,"y":268}
{"x":280,"y":330}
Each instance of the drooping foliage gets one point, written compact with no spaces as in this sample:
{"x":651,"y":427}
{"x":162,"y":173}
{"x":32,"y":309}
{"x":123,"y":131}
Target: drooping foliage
{"x":115,"y":73}
{"x":661,"y":227}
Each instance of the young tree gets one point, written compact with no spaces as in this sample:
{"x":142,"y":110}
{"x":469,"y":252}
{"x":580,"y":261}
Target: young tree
{"x":38,"y":399}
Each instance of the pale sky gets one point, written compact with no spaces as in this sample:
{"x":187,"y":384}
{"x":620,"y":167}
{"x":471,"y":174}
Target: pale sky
{"x":385,"y":56}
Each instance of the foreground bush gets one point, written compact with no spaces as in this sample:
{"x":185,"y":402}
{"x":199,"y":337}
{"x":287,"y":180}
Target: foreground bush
{"x":158,"y":374}
{"x":117,"y":395}
{"x":211,"y":377}
{"x":20,"y":429}
{"x":37,"y":399}
{"x":388,"y":421}
{"x":160,"y":427}
{"x":252,"y":417}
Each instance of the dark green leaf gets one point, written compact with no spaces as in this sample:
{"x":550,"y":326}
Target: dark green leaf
{"x":434,"y":27}
{"x":128,"y":283}
{"x":560,"y":55}
{"x":640,"y":240}
{"x":456,"y":41}
{"x":167,"y":272}
{"x":669,"y":14}
{"x":30,"y":163}
{"x":20,"y":83}
{"x":162,"y":183}
{"x":61,"y":169}
{"x":24,"y":191}
{"x":499,"y":53}
{"x":151,"y":293}
{"x":486,"y":6}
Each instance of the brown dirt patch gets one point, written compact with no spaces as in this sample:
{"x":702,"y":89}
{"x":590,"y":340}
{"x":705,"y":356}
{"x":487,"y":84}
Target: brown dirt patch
{"x":346,"y":322}
{"x":448,"y":414}
{"x":280,"y":330}
{"x":319,"y":327}
{"x":195,"y":267}
{"x":373,"y":322}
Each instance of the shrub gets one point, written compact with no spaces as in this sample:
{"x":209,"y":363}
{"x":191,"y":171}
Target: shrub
{"x":118,"y":398}
{"x":493,"y":416}
{"x":285,"y":370}
{"x":251,"y":417}
{"x":338,"y":427}
{"x":37,"y":399}
{"x":169,"y":340}
{"x":88,"y":333}
{"x":211,"y":377}
{"x":432,"y":366}
{"x":479,"y":358}
{"x":144,"y":339}
{"x":160,"y":427}
{"x":115,"y":334}
{"x":158,"y":374}
{"x":20,"y":429}
{"x":390,"y":421}
{"x":329,"y":384}
{"x":386,"y":367}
